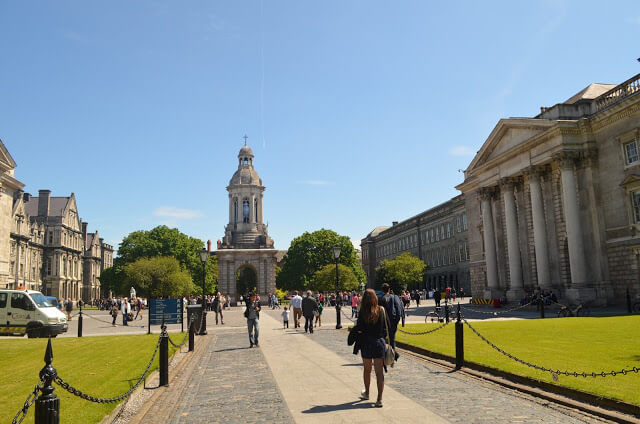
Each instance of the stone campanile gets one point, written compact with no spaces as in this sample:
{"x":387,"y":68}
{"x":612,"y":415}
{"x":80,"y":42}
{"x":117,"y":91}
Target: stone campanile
{"x":246,"y":257}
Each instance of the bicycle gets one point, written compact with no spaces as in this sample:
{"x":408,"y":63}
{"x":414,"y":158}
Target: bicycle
{"x":635,"y":307}
{"x":579,"y":311}
{"x":439,"y":314}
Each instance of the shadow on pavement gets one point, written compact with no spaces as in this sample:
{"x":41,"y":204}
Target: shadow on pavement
{"x":319,"y":409}
{"x":232,"y":348}
{"x":352,"y":365}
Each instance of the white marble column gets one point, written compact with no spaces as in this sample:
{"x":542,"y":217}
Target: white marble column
{"x":539,"y":229}
{"x":516,"y":290}
{"x":489,"y":240}
{"x":572,"y":220}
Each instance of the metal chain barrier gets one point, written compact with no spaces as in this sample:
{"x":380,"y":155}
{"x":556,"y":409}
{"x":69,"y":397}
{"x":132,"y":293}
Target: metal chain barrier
{"x":499,"y":312}
{"x":421,"y":333}
{"x":125,"y":395}
{"x":20,"y":416}
{"x":555,"y":373}
{"x":347,"y":316}
{"x":184,"y":339}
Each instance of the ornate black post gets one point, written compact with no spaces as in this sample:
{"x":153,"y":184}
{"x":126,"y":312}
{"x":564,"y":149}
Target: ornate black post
{"x":164,"y":355}
{"x":80,"y":320}
{"x":204,"y":255}
{"x":48,"y":404}
{"x":192,"y":335}
{"x":336,"y":254}
{"x":459,"y":341}
{"x":541,"y":300}
{"x":446,"y":310}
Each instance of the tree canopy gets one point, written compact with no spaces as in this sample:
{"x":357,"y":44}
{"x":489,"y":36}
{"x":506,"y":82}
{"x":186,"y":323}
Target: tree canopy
{"x":158,"y":276}
{"x":160,"y":241}
{"x":402,"y":272}
{"x":310,"y":252}
{"x":325,"y":278}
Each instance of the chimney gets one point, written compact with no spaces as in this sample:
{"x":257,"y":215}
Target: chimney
{"x":394,"y":223}
{"x":84,"y":230}
{"x":26,"y":197}
{"x":43,"y":202}
{"x":209,"y":246}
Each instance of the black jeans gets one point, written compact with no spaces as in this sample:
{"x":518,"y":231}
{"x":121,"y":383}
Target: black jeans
{"x":308,"y":323}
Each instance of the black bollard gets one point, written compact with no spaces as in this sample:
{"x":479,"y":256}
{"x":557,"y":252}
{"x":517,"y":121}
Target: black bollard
{"x":628,"y":301}
{"x":459,"y":341}
{"x":541,"y":307}
{"x":164,"y":356}
{"x":48,"y":403}
{"x":446,"y":311}
{"x":80,"y":322}
{"x":192,"y":336}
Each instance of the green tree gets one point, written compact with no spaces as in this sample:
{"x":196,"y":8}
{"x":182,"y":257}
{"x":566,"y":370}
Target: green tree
{"x":158,"y":276}
{"x":401,"y":272}
{"x":325,"y":278}
{"x":310,"y":252}
{"x":157,"y":242}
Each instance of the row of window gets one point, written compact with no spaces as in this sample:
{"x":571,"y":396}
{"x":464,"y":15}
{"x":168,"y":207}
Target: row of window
{"x":432,"y":235}
{"x":447,"y":255}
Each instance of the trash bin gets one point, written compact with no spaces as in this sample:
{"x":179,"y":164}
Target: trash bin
{"x":194,"y":312}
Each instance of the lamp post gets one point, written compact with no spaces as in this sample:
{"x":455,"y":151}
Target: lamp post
{"x":204,"y":255}
{"x":336,"y":255}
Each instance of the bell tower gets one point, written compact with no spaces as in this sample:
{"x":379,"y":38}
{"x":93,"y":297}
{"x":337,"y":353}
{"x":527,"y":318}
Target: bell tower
{"x":246,"y":256}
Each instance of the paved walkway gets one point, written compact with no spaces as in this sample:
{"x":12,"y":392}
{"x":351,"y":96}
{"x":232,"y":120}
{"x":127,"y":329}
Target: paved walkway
{"x":302,"y":378}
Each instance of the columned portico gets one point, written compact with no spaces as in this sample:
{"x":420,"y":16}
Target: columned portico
{"x":493,"y":284}
{"x":539,"y":228}
{"x":516,"y":289}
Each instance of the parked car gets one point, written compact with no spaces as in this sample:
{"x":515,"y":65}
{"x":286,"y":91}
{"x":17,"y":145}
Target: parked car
{"x":29,"y":312}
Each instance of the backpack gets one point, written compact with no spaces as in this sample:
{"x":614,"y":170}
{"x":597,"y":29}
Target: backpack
{"x":394,"y":313}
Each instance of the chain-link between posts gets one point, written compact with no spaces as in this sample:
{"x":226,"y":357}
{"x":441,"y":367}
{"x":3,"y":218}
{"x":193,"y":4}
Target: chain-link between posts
{"x":20,"y":416}
{"x":555,"y":373}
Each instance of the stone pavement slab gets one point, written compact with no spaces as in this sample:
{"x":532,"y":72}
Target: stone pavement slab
{"x":319,"y":386}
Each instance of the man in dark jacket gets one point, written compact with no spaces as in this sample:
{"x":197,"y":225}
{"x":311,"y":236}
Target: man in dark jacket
{"x":395,"y":311}
{"x":252,"y":314}
{"x":436,"y":297}
{"x":309,"y":305}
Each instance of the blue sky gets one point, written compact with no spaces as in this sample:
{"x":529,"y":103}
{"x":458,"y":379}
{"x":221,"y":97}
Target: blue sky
{"x":359,"y":112}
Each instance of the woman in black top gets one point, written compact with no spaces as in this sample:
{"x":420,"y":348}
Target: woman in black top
{"x":372,"y":331}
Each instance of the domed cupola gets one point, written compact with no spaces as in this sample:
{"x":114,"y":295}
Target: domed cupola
{"x":245,"y":174}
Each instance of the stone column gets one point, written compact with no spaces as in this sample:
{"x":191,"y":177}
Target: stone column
{"x":489,"y":243}
{"x":539,"y":229}
{"x":251,"y":209}
{"x":516,"y":287}
{"x":260,"y":209}
{"x":230,"y":209}
{"x":572,"y":220}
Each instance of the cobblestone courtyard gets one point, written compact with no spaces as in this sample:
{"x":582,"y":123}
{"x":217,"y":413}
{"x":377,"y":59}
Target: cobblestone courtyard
{"x":297,"y":377}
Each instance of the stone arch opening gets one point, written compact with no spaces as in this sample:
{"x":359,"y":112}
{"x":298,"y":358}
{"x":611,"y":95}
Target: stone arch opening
{"x":246,"y":279}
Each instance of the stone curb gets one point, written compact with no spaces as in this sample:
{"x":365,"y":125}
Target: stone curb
{"x":611,"y":409}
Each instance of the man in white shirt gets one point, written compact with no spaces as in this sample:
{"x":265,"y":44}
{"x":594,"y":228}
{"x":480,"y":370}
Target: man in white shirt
{"x":296,"y":305}
{"x":125,"y":311}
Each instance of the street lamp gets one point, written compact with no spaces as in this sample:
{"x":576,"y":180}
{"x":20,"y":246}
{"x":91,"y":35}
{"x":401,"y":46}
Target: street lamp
{"x":336,"y":255}
{"x":204,"y":255}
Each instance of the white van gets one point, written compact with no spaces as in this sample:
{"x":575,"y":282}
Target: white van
{"x":29,"y":312}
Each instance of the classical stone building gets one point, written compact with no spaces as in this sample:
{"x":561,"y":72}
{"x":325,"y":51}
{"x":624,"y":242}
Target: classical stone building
{"x":246,"y":248}
{"x":554,"y":200}
{"x":42,"y":246}
{"x":438,"y":236}
{"x":98,"y":256}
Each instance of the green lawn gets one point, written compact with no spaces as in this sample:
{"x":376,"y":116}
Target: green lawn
{"x":99,"y":366}
{"x":573,"y":344}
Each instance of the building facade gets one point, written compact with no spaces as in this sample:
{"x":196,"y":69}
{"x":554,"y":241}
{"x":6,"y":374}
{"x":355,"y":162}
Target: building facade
{"x":42,"y":242}
{"x":437,"y":236}
{"x":246,"y":246}
{"x":554,"y":200}
{"x":98,"y":256}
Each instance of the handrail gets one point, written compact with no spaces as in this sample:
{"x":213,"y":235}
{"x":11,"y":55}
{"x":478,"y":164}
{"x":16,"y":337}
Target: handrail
{"x":618,"y":93}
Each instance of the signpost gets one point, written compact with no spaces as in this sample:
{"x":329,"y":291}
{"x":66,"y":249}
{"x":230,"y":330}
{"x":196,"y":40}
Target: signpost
{"x":168,"y":309}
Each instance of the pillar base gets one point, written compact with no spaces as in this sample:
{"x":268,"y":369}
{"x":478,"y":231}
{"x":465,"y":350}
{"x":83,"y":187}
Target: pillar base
{"x":515,"y":295}
{"x":586,"y":295}
{"x":493,"y":293}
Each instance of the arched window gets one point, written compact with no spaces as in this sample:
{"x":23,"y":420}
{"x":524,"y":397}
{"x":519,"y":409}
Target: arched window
{"x":245,"y":211}
{"x":245,"y":162}
{"x":235,"y":210}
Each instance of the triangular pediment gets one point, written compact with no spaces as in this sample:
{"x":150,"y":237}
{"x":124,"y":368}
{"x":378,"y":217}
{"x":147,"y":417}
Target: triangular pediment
{"x":6,"y":161}
{"x":19,"y":208}
{"x":507,"y":135}
{"x":631,"y":179}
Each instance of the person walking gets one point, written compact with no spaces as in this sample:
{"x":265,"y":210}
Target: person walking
{"x":68,"y":307}
{"x":217,"y":307}
{"x":437,"y":295}
{"x":371,"y":331}
{"x":285,"y":318}
{"x":114,"y":313}
{"x":296,"y":305}
{"x":355,"y":300}
{"x":319,"y":315}
{"x":126,"y":308}
{"x":309,"y":307}
{"x":395,"y":311}
{"x":252,"y":314}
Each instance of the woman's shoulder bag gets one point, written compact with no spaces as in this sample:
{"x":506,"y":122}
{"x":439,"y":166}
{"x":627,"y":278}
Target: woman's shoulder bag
{"x":389,"y":353}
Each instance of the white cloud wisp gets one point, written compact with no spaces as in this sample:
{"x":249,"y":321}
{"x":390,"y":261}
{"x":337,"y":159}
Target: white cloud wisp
{"x":177,"y":213}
